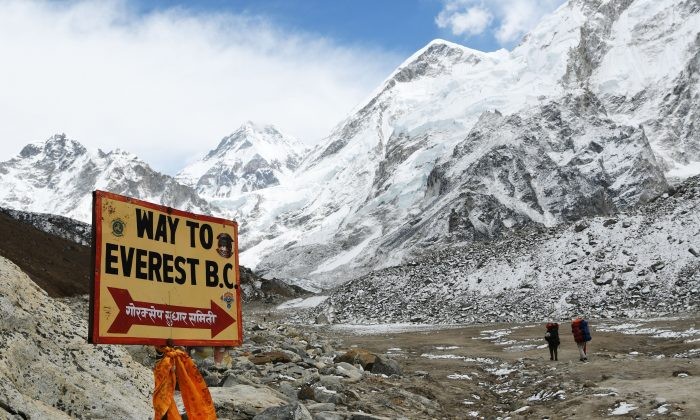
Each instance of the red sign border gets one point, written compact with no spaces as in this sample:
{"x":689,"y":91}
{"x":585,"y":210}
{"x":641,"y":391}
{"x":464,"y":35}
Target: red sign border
{"x":94,"y":336}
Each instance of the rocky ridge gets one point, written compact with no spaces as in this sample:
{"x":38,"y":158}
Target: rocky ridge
{"x":63,"y":227}
{"x":641,"y":262}
{"x":59,"y":175}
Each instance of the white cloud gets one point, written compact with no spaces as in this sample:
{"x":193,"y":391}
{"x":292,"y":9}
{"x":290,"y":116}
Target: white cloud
{"x":472,"y":21}
{"x":508,"y":20}
{"x":168,"y":85}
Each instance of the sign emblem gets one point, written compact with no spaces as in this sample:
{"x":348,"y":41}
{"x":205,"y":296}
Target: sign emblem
{"x":118,"y":227}
{"x":224,"y":245}
{"x":228,"y":297}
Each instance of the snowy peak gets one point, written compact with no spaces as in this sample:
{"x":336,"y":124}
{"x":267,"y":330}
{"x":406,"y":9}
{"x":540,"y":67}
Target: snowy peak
{"x":438,"y":58}
{"x":266,"y":140}
{"x":57,"y":147}
{"x":253,"y":157}
{"x":58,"y":176}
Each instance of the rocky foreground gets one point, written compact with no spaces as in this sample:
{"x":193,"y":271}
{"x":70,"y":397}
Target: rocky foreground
{"x":47,"y":368}
{"x":284,"y":371}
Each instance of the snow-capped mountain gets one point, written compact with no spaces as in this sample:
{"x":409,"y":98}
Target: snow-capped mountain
{"x":584,"y":117}
{"x":591,"y":114}
{"x":59,"y":175}
{"x":252,"y":158}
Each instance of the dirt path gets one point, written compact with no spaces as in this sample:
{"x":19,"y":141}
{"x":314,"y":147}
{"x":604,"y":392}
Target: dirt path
{"x":636,"y":369}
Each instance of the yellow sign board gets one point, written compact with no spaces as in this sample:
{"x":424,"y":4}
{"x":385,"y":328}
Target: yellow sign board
{"x":162,"y":275}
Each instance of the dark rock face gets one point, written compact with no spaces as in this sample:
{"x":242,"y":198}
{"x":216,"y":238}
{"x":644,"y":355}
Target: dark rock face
{"x":586,"y":57}
{"x":679,"y":123}
{"x":437,"y":59}
{"x":545,"y":167}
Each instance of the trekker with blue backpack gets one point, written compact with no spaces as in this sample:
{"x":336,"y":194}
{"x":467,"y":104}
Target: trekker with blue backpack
{"x":582,"y":335}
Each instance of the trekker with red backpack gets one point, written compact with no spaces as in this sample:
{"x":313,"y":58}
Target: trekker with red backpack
{"x":582,"y":335}
{"x":552,"y":337}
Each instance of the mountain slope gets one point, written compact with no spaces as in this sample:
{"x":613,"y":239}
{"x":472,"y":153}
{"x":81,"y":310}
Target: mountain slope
{"x":252,"y":158}
{"x":59,"y":266}
{"x":569,"y":146}
{"x":59,"y":175}
{"x":641,"y":262}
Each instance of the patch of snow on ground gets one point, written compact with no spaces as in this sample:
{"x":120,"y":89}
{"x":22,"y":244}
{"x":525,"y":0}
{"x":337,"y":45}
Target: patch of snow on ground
{"x":310,"y":302}
{"x":640,"y":329}
{"x":606,"y":394}
{"x":501,"y":372}
{"x":622,"y":409}
{"x":375,"y":329}
{"x":521,"y":409}
{"x":484,"y":360}
{"x":545,"y":395}
{"x":493,"y":334}
{"x":441,"y":356}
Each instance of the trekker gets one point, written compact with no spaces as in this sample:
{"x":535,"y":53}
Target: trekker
{"x":582,"y":335}
{"x":552,"y":337}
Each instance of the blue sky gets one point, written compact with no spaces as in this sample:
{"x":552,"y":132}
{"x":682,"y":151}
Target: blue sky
{"x":399,"y":26}
{"x":167,"y":79}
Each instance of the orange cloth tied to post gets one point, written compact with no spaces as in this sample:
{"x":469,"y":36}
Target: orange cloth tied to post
{"x":176,"y":366}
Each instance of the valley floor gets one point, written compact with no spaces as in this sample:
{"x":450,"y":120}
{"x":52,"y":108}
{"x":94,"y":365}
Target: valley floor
{"x":644,"y":368}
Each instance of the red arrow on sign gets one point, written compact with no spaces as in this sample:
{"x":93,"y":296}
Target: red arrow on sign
{"x":132,"y":312}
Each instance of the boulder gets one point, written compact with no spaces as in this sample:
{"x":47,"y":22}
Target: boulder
{"x":270,"y":357}
{"x":658,"y":266}
{"x":331,"y":415}
{"x":386,"y":366}
{"x":348,"y":371}
{"x":363,"y":357}
{"x":251,"y":400}
{"x":609,"y":222}
{"x":295,"y":411}
{"x":581,"y":226}
{"x":605,"y":278}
